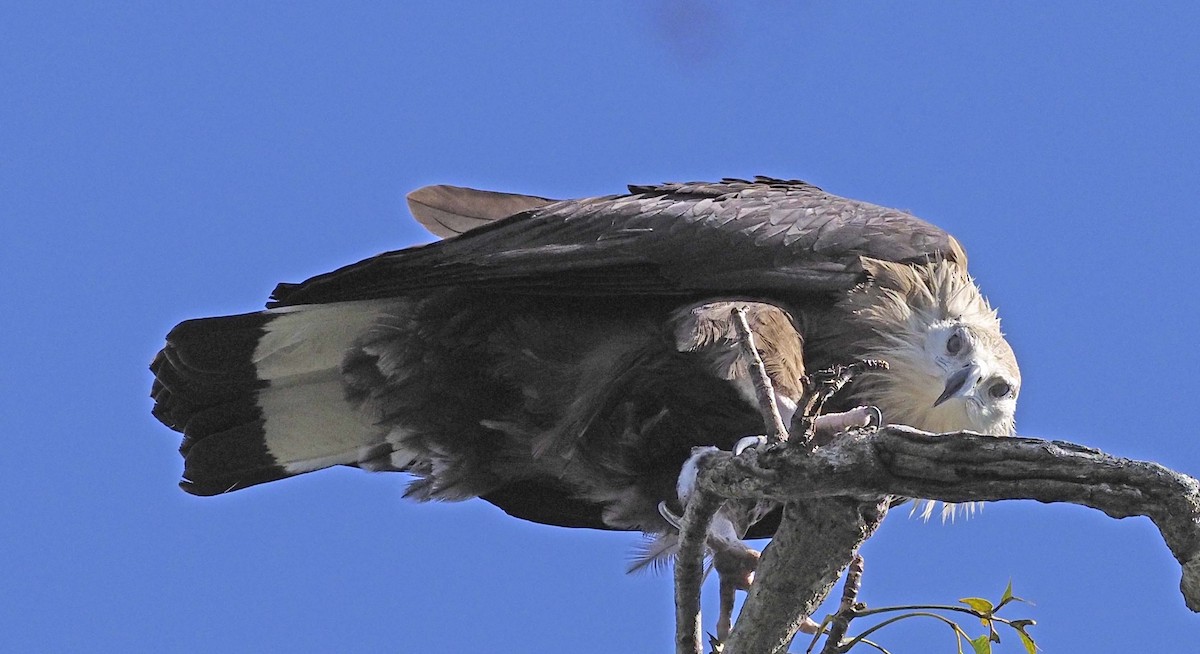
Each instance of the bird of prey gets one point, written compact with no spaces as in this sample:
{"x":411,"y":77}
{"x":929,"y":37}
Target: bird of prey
{"x":560,"y":359}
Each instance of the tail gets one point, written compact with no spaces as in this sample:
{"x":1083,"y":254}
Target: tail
{"x":262,"y":396}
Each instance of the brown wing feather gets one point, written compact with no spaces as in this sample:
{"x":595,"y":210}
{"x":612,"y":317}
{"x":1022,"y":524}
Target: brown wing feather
{"x":452,"y":210}
{"x":708,"y":329}
{"x":764,"y":238}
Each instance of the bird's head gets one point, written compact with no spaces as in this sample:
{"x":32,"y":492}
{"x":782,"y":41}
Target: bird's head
{"x":950,"y":367}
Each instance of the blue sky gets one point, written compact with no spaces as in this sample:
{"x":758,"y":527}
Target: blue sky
{"x":161,"y":161}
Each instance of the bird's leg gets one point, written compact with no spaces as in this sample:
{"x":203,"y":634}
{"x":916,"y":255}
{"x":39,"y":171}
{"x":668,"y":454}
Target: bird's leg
{"x":822,"y":385}
{"x":735,"y":562}
{"x":829,"y":425}
{"x":817,"y":428}
{"x":733,"y":558}
{"x":824,"y":427}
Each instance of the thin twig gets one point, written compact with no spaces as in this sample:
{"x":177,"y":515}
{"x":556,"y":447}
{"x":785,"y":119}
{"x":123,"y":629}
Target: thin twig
{"x":846,"y":610}
{"x":762,"y":383}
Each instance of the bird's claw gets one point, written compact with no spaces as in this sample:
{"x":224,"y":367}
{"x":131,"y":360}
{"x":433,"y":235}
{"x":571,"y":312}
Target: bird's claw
{"x":749,"y":443}
{"x":827,"y":381}
{"x":822,"y":385}
{"x":669,"y":515}
{"x":875,"y":420}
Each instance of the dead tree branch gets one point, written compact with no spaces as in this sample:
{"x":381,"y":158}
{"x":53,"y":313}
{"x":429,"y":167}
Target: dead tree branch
{"x":835,"y":496}
{"x":815,"y":541}
{"x":689,"y":569}
{"x":849,"y":604}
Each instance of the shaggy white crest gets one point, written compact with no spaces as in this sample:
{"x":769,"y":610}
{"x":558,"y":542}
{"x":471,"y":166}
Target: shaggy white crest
{"x":950,"y":368}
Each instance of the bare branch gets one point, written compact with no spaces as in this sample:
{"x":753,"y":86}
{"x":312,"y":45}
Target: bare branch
{"x":847,"y":607}
{"x":966,"y":467}
{"x":689,"y":563}
{"x":815,"y":541}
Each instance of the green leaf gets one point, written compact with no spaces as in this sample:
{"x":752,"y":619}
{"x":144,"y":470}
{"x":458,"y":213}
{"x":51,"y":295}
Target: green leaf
{"x":979,"y":604}
{"x":1030,"y":646}
{"x":981,"y":645}
{"x":1009,"y":597}
{"x":1026,"y":639}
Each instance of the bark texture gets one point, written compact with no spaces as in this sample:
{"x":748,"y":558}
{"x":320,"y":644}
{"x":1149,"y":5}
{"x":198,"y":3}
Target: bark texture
{"x":836,"y":495}
{"x":816,"y":540}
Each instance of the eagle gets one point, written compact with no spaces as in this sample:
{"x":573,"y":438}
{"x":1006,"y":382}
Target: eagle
{"x":561,"y":359}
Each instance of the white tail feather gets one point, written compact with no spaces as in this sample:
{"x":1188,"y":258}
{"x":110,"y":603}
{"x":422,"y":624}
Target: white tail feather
{"x":314,"y":337}
{"x":311,"y":426}
{"x":309,"y":423}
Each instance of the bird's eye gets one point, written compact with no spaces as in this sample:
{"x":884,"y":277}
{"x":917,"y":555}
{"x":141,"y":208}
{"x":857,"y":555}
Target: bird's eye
{"x":1000,"y":389}
{"x":954,"y":344}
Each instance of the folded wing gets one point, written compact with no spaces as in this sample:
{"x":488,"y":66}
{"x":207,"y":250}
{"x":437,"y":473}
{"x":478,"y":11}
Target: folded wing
{"x":764,"y":238}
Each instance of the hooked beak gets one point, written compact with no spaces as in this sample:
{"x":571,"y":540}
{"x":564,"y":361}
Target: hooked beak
{"x":960,"y":384}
